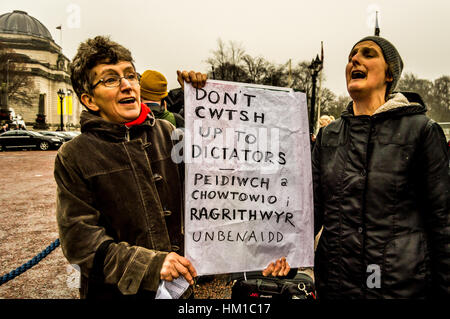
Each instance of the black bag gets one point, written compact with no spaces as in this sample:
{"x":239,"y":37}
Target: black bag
{"x":254,"y":285}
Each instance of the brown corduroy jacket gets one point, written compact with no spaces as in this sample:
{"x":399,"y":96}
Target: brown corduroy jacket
{"x":120,"y":184}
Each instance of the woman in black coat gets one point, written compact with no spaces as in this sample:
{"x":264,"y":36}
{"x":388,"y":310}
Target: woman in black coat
{"x":381,"y":188}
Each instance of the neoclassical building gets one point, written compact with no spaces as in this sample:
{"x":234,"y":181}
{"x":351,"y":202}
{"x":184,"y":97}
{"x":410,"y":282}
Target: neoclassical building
{"x":33,"y":51}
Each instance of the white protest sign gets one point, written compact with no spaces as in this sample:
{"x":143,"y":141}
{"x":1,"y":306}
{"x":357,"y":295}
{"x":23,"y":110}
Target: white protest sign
{"x":248,"y":184}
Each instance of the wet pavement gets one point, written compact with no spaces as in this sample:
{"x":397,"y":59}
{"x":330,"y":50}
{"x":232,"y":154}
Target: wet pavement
{"x":28,"y":225}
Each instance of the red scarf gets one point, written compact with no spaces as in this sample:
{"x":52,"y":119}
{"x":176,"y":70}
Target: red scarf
{"x":141,"y":118}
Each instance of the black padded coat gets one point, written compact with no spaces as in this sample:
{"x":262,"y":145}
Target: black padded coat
{"x":381,"y":193}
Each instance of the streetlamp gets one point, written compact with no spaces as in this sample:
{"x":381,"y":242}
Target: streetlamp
{"x":69,"y":107}
{"x":315,"y":67}
{"x":7,"y":83}
{"x":61,"y":95}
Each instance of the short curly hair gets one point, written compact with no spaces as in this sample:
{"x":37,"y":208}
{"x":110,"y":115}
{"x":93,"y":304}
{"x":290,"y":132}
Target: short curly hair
{"x":90,"y":53}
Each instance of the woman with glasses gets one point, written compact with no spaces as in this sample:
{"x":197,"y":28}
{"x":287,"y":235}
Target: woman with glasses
{"x":120,"y":203}
{"x":119,"y":194}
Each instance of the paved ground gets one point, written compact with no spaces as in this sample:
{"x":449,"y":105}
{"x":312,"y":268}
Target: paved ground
{"x":28,"y":225}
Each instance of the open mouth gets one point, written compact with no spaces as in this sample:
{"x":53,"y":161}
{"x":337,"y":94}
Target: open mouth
{"x":358,"y":74}
{"x":128,"y":100}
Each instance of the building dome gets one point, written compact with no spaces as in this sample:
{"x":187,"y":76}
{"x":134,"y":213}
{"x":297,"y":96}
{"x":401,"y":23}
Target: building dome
{"x":19,"y":22}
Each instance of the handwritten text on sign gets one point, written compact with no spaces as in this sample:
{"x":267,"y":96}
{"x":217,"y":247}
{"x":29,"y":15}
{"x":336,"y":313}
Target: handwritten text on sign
{"x":248,"y":178}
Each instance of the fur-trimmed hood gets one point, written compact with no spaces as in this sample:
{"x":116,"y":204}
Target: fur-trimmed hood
{"x":398,"y":102}
{"x":395,"y":100}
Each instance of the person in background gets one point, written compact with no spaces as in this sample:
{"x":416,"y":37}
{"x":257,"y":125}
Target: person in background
{"x":153,"y":93}
{"x":325,"y":120}
{"x":4,"y":128}
{"x":381,"y":188}
{"x":175,"y":101}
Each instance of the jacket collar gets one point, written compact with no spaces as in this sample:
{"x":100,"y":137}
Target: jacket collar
{"x":399,"y":103}
{"x":93,"y":123}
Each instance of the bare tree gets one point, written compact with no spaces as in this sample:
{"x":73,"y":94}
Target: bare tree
{"x":256,"y":68}
{"x":435,"y":94}
{"x":441,"y":99}
{"x":301,"y":77}
{"x":15,"y":78}
{"x":336,"y":107}
{"x":328,"y":103}
{"x":227,"y":62}
{"x":275,"y":75}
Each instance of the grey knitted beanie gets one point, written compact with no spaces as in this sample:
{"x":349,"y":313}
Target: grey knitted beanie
{"x":391,"y":55}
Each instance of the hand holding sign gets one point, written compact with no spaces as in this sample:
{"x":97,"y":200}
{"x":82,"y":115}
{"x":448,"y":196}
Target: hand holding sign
{"x":278,"y":268}
{"x":197,"y":79}
{"x":175,"y":265}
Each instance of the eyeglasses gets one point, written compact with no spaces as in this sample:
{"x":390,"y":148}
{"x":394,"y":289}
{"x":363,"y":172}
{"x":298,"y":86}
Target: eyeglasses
{"x":112,"y":81}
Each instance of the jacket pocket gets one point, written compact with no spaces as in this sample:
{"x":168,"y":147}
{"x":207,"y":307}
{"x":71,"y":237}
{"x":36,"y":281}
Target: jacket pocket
{"x":405,"y":267}
{"x":333,"y":135}
{"x":332,"y":157}
{"x":395,"y":158}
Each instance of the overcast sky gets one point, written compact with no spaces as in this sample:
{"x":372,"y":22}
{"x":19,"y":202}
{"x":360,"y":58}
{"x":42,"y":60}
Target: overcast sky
{"x":167,"y":35}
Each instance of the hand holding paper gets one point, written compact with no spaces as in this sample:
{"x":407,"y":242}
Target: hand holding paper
{"x":172,"y":289}
{"x":175,"y":265}
{"x":197,"y":79}
{"x":278,"y":268}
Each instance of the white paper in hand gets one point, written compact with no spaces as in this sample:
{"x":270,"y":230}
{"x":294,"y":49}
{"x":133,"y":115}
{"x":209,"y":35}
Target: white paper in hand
{"x":172,"y":289}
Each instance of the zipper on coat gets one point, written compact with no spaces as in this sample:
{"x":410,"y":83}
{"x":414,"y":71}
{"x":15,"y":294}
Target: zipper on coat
{"x":369,"y":150}
{"x":127,"y":133}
